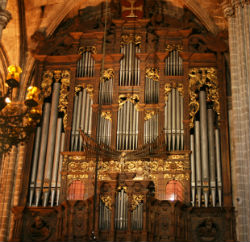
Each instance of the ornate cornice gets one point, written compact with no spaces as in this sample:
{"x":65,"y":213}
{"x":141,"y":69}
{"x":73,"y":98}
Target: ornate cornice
{"x":228,"y":9}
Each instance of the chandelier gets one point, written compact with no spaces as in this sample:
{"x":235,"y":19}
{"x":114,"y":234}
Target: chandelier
{"x":17,"y":118}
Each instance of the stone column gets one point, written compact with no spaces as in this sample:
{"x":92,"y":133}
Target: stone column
{"x":238,"y":15}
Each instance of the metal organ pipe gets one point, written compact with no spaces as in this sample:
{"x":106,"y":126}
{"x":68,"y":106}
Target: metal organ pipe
{"x":211,"y":145}
{"x":73,"y":132}
{"x":218,"y":165}
{"x":192,"y":168}
{"x":198,"y":161}
{"x":56,"y":160}
{"x":204,"y":145}
{"x":77,"y":134}
{"x":59,"y":178}
{"x":51,"y":141}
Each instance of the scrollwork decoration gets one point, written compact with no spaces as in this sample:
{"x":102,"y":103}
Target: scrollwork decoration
{"x":126,"y":39}
{"x":46,"y":83}
{"x":107,"y":201}
{"x":152,"y":73}
{"x":106,"y":115}
{"x":91,"y":49}
{"x":107,"y":75}
{"x":136,"y":200}
{"x":171,"y":47}
{"x":149,"y":115}
{"x":123,"y":98}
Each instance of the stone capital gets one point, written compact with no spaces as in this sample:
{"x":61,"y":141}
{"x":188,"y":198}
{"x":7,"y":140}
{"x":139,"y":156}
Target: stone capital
{"x":228,"y":9}
{"x":5,"y":17}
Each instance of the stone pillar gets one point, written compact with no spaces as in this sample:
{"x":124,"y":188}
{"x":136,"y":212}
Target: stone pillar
{"x":237,"y":13}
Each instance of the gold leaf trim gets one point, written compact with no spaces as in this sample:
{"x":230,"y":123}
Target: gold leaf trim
{"x":152,"y":73}
{"x":130,"y":38}
{"x":84,"y":49}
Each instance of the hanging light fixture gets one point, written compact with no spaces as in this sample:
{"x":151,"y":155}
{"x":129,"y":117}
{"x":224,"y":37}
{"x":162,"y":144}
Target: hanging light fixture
{"x":17,"y":119}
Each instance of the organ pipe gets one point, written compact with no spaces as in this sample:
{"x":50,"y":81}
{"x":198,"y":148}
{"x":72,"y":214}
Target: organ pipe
{"x":198,"y":161}
{"x":192,"y":145}
{"x":58,"y":184}
{"x":51,"y":141}
{"x":204,"y":145}
{"x":56,"y":160}
{"x":218,"y":165}
{"x":211,"y":145}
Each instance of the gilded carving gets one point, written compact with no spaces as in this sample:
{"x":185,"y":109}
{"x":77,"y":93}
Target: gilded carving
{"x":177,"y":177}
{"x":89,"y":89}
{"x":152,"y":73}
{"x":46,"y":83}
{"x":91,"y":49}
{"x":136,"y":200}
{"x":107,"y":75}
{"x":126,"y":39}
{"x":123,"y":98}
{"x":203,"y":77}
{"x":149,"y":115}
{"x":57,"y":75}
{"x":107,"y":115}
{"x":77,"y":176}
{"x":171,"y":47}
{"x":107,"y":201}
{"x":64,"y":92}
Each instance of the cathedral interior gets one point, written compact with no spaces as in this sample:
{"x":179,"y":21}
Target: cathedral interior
{"x":124,"y":120}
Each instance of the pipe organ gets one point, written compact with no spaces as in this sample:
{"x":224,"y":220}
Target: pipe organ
{"x":141,"y":128}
